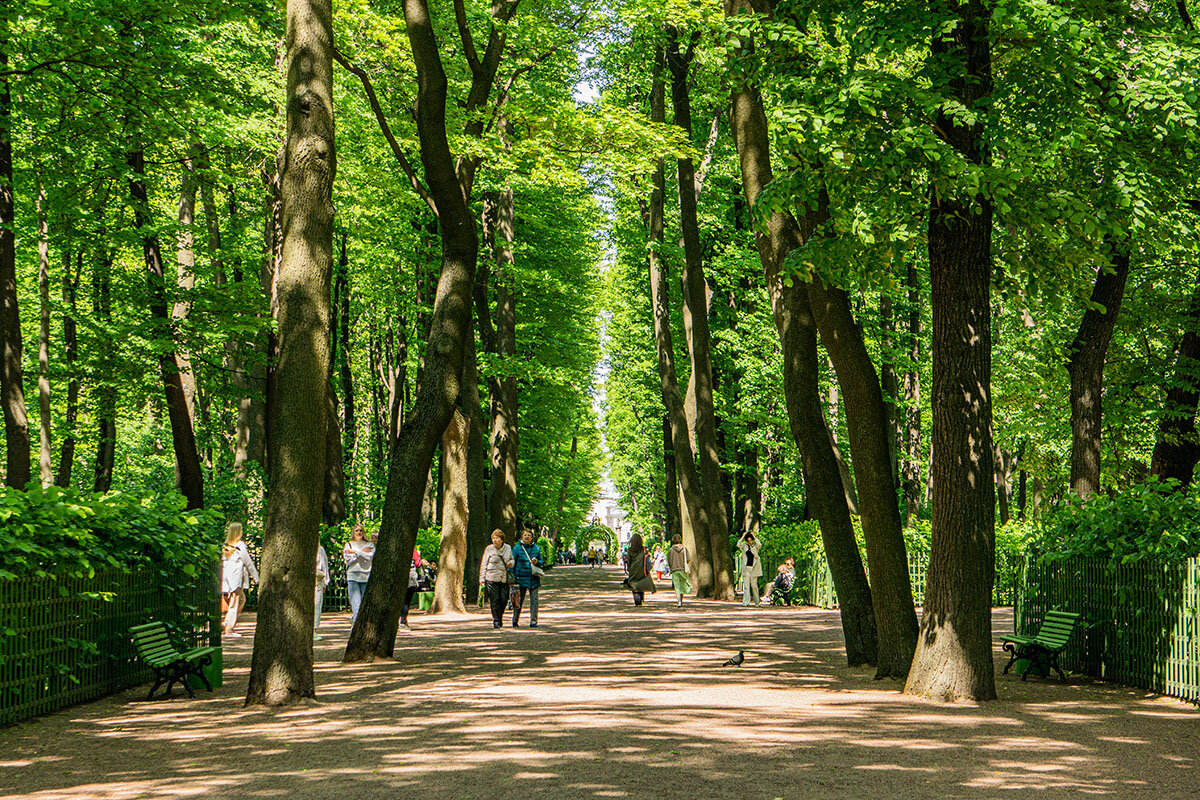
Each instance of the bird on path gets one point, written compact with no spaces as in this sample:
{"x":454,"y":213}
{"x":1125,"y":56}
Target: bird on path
{"x":735,"y":661}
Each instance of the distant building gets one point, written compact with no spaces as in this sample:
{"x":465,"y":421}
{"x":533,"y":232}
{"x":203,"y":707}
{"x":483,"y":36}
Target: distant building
{"x":607,"y":511}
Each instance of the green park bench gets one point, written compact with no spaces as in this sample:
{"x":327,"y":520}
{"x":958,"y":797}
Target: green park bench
{"x":1042,"y":651}
{"x":154,"y":647}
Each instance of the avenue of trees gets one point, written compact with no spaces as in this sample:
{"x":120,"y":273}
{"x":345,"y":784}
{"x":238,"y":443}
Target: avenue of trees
{"x":862,"y":265}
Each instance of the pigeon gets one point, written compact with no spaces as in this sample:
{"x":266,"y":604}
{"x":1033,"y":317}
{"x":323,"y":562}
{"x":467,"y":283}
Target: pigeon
{"x":737,"y":660}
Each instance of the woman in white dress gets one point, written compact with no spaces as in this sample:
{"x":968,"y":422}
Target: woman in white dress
{"x":237,"y":571}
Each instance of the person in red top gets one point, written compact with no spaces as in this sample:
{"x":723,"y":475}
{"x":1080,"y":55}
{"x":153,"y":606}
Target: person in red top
{"x":411,"y":592}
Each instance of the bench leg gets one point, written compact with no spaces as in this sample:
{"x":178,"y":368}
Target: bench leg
{"x":1009,"y":648}
{"x":1054,"y":663}
{"x":158,"y":680}
{"x":198,"y":671}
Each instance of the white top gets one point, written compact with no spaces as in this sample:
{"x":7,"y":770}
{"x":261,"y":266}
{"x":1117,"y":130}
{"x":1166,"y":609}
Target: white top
{"x":238,"y":570}
{"x":495,"y":564}
{"x":358,"y":557}
{"x":660,"y":561}
{"x":322,"y":566}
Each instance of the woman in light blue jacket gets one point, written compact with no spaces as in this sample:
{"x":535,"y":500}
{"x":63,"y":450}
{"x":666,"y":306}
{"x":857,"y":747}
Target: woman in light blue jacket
{"x":526,"y":555}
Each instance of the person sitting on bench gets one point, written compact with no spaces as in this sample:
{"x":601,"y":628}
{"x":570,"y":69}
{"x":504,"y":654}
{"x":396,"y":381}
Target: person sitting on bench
{"x":784,"y":580}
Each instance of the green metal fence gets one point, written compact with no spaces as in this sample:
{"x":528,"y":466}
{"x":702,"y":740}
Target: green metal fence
{"x":822,"y":594}
{"x":66,"y":640}
{"x":1142,"y":620}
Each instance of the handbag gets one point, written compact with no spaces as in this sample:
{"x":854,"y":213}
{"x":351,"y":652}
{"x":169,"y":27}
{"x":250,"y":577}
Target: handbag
{"x":534,"y":568}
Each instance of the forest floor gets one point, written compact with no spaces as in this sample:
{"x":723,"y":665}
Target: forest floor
{"x":605,"y":701}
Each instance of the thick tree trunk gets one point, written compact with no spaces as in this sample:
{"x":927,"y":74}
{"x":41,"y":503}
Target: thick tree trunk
{"x":298,"y":411}
{"x":694,"y":504}
{"x":447,"y":596}
{"x":190,"y":478}
{"x":17,"y":471}
{"x":1176,"y":446}
{"x":868,"y":424}
{"x":954,"y":656}
{"x":186,"y":280}
{"x":912,"y":402}
{"x":70,"y":284}
{"x":1086,"y":369}
{"x":374,"y":633}
{"x":798,"y":339}
{"x":696,"y":328}
{"x":46,"y":449}
{"x":106,"y":390}
{"x":502,"y":487}
{"x":672,"y":521}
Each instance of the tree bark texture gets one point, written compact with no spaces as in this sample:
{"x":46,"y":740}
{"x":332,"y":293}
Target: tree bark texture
{"x":502,"y":487}
{"x":447,"y":595}
{"x":17,"y":467}
{"x":190,"y":478}
{"x":298,"y":410}
{"x":46,"y":448}
{"x":694,"y":501}
{"x":374,"y":633}
{"x":672,"y":521}
{"x":798,"y":340}
{"x":349,"y":421}
{"x":1086,"y":369}
{"x":954,"y":655}
{"x":868,"y":423}
{"x":696,"y":328}
{"x":478,"y":533}
{"x":185,"y":280}
{"x":70,"y":285}
{"x":1177,"y":446}
{"x":912,"y":401}
{"x":106,"y":390}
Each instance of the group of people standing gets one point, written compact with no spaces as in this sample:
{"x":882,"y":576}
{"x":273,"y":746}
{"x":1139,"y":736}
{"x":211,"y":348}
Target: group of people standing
{"x":510,"y":573}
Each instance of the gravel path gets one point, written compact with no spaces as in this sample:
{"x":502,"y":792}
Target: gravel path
{"x":605,"y":701}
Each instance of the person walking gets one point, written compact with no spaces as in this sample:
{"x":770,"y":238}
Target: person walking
{"x":237,"y":570}
{"x":358,"y":553}
{"x":526,"y":557}
{"x":660,"y":563}
{"x":414,"y":578}
{"x":322,"y":582}
{"x":678,"y":561}
{"x":638,"y":561}
{"x":751,"y":568}
{"x":493,"y":575}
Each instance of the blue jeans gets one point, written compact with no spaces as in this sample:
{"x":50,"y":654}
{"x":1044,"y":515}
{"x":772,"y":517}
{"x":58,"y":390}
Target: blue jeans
{"x":354,"y":590}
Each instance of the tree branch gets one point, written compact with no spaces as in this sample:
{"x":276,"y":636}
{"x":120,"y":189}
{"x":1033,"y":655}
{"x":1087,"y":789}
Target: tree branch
{"x":706,"y":162}
{"x":464,"y":33}
{"x":413,"y":180}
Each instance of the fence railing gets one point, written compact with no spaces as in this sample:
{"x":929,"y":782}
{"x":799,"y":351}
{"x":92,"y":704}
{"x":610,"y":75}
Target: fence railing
{"x":66,"y":640}
{"x":1141,"y":620}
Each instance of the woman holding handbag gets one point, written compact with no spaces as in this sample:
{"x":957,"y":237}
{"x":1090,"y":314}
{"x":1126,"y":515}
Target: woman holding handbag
{"x":639,"y":580}
{"x":493,"y":575}
{"x":526,"y":557}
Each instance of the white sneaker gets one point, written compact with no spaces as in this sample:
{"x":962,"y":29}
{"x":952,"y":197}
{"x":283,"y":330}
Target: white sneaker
{"x":232,"y":635}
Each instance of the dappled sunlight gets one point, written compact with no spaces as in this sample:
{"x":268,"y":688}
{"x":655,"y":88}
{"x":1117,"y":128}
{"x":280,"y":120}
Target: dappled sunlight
{"x":599,"y":702}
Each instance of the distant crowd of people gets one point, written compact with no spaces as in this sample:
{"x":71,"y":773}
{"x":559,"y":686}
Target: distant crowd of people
{"x":509,"y":575}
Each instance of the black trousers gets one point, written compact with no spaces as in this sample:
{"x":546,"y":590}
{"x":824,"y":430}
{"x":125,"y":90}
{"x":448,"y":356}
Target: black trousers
{"x":638,"y":597}
{"x":497,"y":592}
{"x":408,"y":598}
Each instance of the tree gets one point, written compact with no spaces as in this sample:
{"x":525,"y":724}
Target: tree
{"x":297,"y":412}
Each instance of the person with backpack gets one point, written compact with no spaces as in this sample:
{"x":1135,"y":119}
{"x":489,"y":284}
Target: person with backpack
{"x":751,"y":568}
{"x":639,"y":580}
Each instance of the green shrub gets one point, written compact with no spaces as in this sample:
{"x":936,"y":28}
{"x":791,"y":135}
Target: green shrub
{"x":549,"y":557}
{"x":429,"y":542}
{"x":1149,"y":519}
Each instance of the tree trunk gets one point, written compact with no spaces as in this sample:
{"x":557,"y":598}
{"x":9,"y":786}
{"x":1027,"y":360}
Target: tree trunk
{"x":749,"y":491}
{"x":798,"y":340}
{"x":694,"y":503}
{"x":478,"y":535}
{"x":912,"y":402}
{"x":333,"y":501}
{"x":106,"y":390}
{"x":888,"y":382}
{"x":502,"y":487}
{"x":562,"y":492}
{"x":696,"y":328}
{"x":70,"y":285}
{"x":867,"y":424}
{"x":447,"y":595}
{"x":17,"y":470}
{"x":298,"y":412}
{"x":1176,"y":446}
{"x":954,"y":656}
{"x":832,"y":423}
{"x":190,"y":479}
{"x":374,"y":633}
{"x":46,"y":450}
{"x":349,"y":423}
{"x":186,"y":280}
{"x":672,"y":522}
{"x":1086,"y":369}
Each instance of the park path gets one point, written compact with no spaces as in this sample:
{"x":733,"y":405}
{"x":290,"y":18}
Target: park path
{"x":603,"y":701}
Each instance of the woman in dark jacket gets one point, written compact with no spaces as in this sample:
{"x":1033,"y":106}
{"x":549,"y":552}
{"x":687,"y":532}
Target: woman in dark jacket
{"x":639,"y":580}
{"x":526,"y":555}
